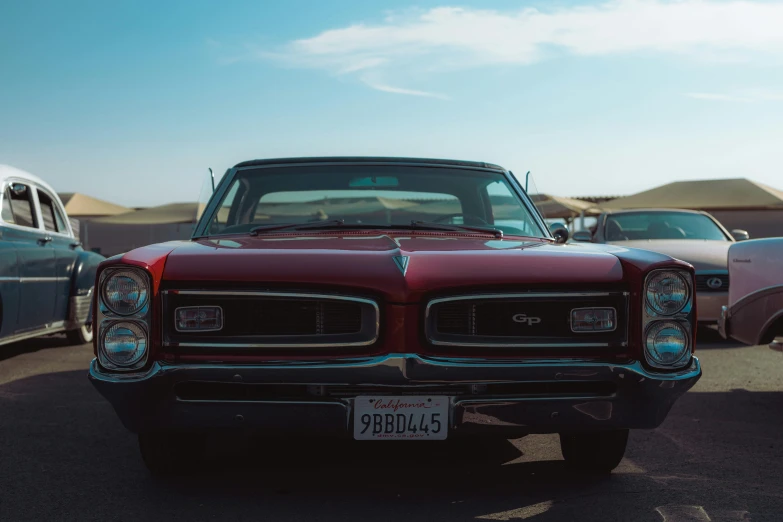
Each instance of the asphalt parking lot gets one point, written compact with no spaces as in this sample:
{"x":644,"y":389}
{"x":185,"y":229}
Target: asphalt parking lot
{"x":65,"y":456}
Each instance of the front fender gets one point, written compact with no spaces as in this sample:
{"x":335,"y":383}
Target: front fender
{"x":82,"y":282}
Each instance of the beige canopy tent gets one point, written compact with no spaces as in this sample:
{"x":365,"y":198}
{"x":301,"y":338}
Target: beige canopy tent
{"x":558,"y":207}
{"x":734,"y":194}
{"x":123,"y":232}
{"x":83,"y":206}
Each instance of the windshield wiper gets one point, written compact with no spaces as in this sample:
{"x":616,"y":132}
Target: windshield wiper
{"x":296,"y":226}
{"x":339,"y":223}
{"x":456,"y":228}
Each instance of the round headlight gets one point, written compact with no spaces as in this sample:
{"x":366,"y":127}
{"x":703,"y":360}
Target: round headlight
{"x":125,"y":292}
{"x":667,"y":343}
{"x":124,"y":344}
{"x":667,"y":292}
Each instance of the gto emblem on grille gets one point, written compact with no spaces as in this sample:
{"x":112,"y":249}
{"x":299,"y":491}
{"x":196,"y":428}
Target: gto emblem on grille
{"x":714,"y":282}
{"x":524,"y":319}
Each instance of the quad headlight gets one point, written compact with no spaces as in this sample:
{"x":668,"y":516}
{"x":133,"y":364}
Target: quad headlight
{"x":125,"y":292}
{"x":123,"y":318}
{"x":124,"y":345}
{"x":667,"y":292}
{"x":668,"y":318}
{"x":667,"y":344}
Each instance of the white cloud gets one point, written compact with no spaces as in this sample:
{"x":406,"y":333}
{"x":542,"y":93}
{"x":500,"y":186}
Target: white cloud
{"x":399,"y":90}
{"x":418,"y":42}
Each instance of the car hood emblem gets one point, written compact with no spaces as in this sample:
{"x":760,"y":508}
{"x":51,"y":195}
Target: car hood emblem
{"x":402,"y":263}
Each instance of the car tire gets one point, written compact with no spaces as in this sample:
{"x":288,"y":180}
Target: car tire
{"x":81,"y":335}
{"x":171,"y":453}
{"x":596,"y":452}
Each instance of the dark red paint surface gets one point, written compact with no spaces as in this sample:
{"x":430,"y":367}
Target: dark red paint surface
{"x":362,"y":262}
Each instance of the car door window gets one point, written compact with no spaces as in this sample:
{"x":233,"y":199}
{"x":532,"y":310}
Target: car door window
{"x":50,"y":215}
{"x":21,"y":203}
{"x":8,"y":215}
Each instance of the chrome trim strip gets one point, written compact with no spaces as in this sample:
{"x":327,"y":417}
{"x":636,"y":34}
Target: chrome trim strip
{"x":520,"y":345}
{"x":406,"y":366}
{"x":199,"y":330}
{"x":518,"y":296}
{"x":42,"y":279}
{"x":326,"y":297}
{"x":46,"y":330}
{"x":571,"y":324}
{"x":9,"y":279}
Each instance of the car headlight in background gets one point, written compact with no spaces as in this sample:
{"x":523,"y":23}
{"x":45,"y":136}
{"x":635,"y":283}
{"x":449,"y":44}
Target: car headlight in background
{"x":125,"y":292}
{"x":667,"y":292}
{"x":124,"y":344}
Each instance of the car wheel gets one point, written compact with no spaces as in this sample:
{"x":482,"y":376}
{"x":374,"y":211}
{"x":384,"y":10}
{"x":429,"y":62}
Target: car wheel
{"x":81,"y":335}
{"x":594,"y":452}
{"x":170,"y":453}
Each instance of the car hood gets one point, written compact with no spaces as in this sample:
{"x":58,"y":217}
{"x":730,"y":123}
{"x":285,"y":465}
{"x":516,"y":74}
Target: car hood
{"x":702,"y":254}
{"x":366,"y":262}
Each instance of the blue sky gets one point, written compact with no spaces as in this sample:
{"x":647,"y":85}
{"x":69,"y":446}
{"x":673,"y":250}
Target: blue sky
{"x":131,"y":101}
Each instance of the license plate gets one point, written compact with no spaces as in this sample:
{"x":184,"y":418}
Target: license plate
{"x":395,"y":418}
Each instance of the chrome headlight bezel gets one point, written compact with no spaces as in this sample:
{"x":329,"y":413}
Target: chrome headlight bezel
{"x":684,"y":358}
{"x":103,"y":355}
{"x":684,"y":318}
{"x":106,"y":317}
{"x":139,"y":275}
{"x":658,"y":273}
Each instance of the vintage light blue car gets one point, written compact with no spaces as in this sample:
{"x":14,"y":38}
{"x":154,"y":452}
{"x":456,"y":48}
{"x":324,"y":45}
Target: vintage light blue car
{"x":46,"y":277}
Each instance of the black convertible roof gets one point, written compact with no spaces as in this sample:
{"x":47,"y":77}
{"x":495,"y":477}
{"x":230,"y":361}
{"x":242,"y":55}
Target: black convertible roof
{"x":370,"y":159}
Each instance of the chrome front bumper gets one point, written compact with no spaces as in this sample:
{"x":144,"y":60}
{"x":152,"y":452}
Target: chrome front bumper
{"x":708,"y":306}
{"x":642,"y":399}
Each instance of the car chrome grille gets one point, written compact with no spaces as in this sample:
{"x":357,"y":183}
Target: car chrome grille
{"x":522,"y":320}
{"x":274,"y":319}
{"x":708,"y":282}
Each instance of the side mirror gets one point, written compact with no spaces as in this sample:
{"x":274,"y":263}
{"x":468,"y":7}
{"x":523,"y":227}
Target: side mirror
{"x":559,"y":232}
{"x":583,"y":235}
{"x":740,"y":235}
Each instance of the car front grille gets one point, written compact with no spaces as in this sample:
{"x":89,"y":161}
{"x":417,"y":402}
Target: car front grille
{"x":712,"y":282}
{"x":274,"y":319}
{"x":522,"y":320}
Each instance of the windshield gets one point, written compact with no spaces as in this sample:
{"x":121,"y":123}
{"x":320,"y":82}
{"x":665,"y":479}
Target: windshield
{"x":366,"y":196}
{"x":629,"y":226}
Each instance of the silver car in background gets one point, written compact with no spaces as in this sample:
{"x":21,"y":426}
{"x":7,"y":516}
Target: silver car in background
{"x":694,"y":237}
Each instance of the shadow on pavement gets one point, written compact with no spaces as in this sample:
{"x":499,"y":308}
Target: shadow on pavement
{"x":709,"y":338}
{"x":37,"y":344}
{"x":66,"y":456}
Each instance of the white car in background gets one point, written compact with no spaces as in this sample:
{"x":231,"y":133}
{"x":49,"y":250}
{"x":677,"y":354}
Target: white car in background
{"x":754,"y":313}
{"x":694,"y":237}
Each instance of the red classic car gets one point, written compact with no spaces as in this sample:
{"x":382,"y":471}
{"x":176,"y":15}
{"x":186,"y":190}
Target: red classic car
{"x":389,"y":299}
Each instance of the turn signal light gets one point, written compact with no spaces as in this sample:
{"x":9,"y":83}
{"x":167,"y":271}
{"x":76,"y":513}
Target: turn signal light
{"x":593,"y":319}
{"x":199,"y":318}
